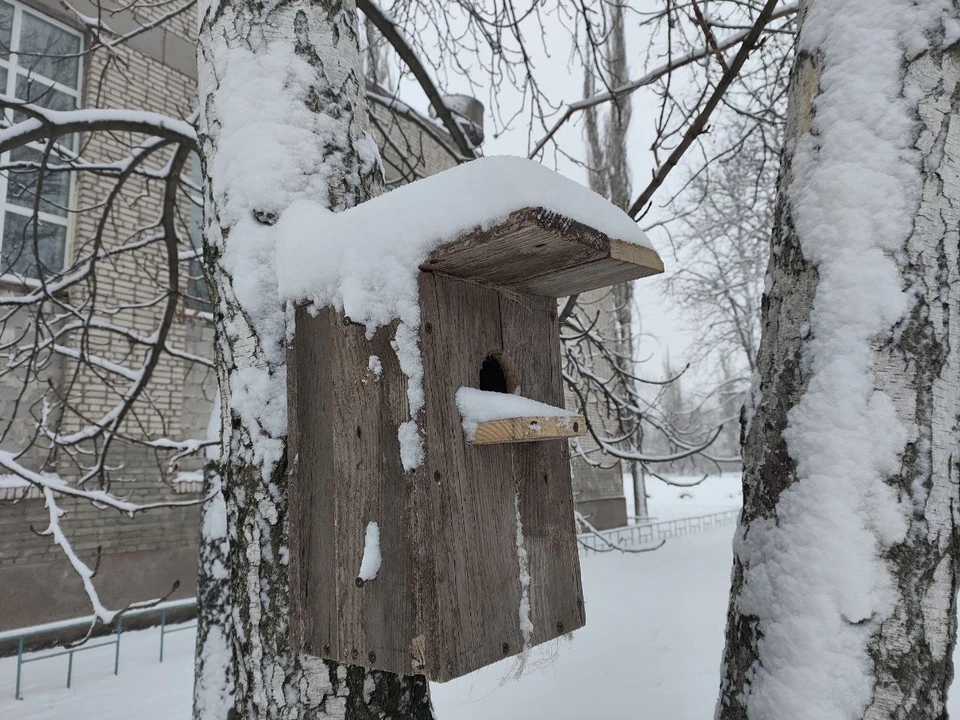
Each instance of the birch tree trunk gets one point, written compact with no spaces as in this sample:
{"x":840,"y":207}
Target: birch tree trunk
{"x":844,"y":585}
{"x":283,"y":116}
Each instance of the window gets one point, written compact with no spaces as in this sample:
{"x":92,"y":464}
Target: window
{"x":39,"y":63}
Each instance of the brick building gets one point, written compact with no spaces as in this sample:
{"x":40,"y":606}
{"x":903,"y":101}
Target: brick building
{"x":155,"y":70}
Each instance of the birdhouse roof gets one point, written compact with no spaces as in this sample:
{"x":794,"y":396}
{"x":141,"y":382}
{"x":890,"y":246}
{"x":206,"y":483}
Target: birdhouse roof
{"x":500,"y":220}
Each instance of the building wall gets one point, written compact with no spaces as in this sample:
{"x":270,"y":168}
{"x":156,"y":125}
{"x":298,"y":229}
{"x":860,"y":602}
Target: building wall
{"x":598,"y":479}
{"x":143,"y":557}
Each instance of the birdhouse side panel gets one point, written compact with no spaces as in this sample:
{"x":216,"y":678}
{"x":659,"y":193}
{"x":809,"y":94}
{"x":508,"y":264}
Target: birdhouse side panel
{"x":542,"y":473}
{"x":354,"y":467}
{"x":310,"y":494}
{"x":466,"y":512}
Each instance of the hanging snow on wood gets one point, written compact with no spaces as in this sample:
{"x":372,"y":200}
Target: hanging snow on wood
{"x":479,"y":406}
{"x":370,"y":563}
{"x":482,"y":405}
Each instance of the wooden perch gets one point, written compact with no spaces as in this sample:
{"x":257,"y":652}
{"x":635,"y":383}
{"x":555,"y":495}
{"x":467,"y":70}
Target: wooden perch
{"x":528,"y":429}
{"x":539,"y":252}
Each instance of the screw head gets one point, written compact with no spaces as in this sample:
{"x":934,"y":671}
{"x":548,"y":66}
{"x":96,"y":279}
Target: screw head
{"x":506,"y":648}
{"x":428,"y":328}
{"x":372,"y":657}
{"x":354,"y":653}
{"x":560,"y":628}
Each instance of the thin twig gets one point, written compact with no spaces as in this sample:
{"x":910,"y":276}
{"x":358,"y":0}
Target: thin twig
{"x":693,"y":132}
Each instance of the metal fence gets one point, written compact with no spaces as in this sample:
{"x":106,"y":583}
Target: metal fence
{"x":653,"y":533}
{"x":24,"y":635}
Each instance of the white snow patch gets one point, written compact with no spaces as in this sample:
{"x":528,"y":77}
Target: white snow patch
{"x":370,"y":563}
{"x":188,"y":476}
{"x":375,"y":366}
{"x":411,"y":445}
{"x":214,"y":430}
{"x":213,"y":688}
{"x":482,"y":405}
{"x":13,"y":481}
{"x":526,"y":624}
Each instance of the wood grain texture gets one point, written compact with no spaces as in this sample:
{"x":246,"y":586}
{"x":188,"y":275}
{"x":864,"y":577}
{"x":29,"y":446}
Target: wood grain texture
{"x":446,"y":601}
{"x":347,"y":474}
{"x":528,"y":429}
{"x":542,"y":475}
{"x":471,"y":498}
{"x":538,"y":252}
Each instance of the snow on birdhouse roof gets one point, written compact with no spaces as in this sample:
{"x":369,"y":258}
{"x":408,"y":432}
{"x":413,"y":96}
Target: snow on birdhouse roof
{"x":495,"y":214}
{"x":354,"y":260}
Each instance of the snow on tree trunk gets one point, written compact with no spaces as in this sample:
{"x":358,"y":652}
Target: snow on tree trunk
{"x":845,"y":573}
{"x":283,"y":116}
{"x":214,"y":670}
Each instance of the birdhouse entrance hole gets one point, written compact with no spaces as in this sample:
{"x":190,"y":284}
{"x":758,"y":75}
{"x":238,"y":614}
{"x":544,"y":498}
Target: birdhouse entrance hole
{"x":497,"y":374}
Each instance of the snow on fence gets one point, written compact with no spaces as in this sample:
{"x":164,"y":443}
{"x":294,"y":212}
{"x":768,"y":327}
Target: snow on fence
{"x":50,"y":629}
{"x":653,"y":533}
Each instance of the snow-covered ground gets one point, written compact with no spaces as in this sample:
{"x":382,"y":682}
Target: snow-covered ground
{"x":651,"y":647}
{"x":652,"y":644}
{"x":144,"y":689}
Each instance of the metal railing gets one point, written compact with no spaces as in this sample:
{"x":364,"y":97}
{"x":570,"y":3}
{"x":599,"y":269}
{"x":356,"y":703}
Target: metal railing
{"x":50,"y":629}
{"x":653,"y":533}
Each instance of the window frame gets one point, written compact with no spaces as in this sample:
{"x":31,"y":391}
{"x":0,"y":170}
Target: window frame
{"x":15,"y":70}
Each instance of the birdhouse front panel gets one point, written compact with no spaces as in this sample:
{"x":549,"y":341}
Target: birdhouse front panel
{"x":505,"y":571}
{"x":477,"y":545}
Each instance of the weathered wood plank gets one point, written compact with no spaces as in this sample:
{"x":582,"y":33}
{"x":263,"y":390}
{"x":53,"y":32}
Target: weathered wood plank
{"x":354,"y":477}
{"x":542,"y":475}
{"x":528,"y":429}
{"x":310,"y":492}
{"x":371,"y":487}
{"x":469,"y":520}
{"x":542,"y":253}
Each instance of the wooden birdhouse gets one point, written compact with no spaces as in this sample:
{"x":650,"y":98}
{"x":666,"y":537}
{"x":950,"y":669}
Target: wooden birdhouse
{"x":450,"y":556}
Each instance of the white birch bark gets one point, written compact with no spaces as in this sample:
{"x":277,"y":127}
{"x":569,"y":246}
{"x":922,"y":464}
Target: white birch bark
{"x":843,"y":602}
{"x":283,"y":116}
